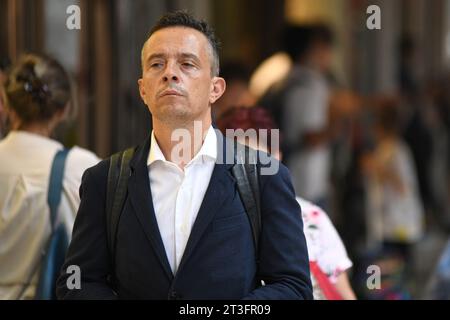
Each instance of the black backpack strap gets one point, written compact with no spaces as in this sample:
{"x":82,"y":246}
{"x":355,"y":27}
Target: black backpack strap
{"x":118,"y":174}
{"x":245,"y":172}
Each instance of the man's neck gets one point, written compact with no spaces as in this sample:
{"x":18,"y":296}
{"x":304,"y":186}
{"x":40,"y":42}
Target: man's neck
{"x":188,"y":138}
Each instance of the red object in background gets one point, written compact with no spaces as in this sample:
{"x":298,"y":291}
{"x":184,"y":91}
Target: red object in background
{"x":328,"y":289}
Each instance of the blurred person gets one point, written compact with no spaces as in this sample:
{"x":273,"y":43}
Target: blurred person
{"x":395,"y":209}
{"x":415,"y":118}
{"x":439,"y":92}
{"x":438,"y":287}
{"x":270,"y":71}
{"x":391,"y":168}
{"x":344,"y":111}
{"x":300,"y":106}
{"x":37,"y":93}
{"x":183,"y":231}
{"x":237,"y":94}
{"x":327,"y":254}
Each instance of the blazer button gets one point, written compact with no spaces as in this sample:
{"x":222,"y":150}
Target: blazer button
{"x":174,"y":296}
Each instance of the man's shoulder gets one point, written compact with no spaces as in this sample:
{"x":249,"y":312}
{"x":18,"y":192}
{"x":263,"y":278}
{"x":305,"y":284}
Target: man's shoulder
{"x":267,"y":166}
{"x":270,"y":168}
{"x":101,"y":169}
{"x":97,"y":173}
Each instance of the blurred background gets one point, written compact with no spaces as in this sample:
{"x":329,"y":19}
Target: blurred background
{"x":402,"y":67}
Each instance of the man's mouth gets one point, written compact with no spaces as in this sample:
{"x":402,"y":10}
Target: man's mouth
{"x":170,"y":92}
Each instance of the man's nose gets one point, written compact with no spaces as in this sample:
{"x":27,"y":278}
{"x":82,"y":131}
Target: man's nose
{"x":172,"y":77}
{"x":170,"y":73}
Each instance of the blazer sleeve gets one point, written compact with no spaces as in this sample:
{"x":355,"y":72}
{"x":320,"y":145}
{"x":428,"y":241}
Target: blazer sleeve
{"x":89,"y":249}
{"x":284,"y":262}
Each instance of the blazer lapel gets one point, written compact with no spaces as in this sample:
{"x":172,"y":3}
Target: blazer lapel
{"x":220,"y":188}
{"x":141,"y":200}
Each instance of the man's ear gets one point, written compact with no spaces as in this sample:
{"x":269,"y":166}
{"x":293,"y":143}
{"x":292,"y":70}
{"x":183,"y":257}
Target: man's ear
{"x":218,"y":86}
{"x":141,"y":89}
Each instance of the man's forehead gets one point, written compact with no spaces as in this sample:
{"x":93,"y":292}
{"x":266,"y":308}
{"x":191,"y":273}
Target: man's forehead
{"x":178,"y":36}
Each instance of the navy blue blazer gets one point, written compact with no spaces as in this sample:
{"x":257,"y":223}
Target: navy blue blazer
{"x":219,"y":259}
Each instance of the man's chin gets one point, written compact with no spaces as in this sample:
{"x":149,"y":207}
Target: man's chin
{"x":174,"y":112}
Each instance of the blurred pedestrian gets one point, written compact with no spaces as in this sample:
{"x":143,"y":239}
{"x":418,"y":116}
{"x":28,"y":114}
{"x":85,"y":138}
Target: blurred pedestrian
{"x":37,"y":92}
{"x":329,"y":262}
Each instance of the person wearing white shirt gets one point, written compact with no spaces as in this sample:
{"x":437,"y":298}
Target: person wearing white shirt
{"x":300,"y":104}
{"x":183,"y":231}
{"x":37,"y":94}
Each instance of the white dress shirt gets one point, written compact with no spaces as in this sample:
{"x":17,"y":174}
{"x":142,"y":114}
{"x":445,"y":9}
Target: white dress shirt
{"x":25,"y":164}
{"x":177,"y":195}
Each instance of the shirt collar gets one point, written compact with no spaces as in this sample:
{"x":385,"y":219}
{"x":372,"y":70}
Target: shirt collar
{"x":155,"y":153}
{"x":208,"y":151}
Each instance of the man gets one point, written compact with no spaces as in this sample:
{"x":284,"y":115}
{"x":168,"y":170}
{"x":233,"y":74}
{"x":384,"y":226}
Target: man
{"x":300,"y":104}
{"x":183,"y":232}
{"x":238,"y":93}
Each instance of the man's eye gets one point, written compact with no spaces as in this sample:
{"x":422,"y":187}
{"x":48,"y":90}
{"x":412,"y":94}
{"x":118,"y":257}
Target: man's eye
{"x":187,"y":64}
{"x":156,"y":65}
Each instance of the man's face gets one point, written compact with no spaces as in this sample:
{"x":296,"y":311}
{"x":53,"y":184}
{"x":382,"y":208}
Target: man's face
{"x":177,"y":84}
{"x":324,"y":56}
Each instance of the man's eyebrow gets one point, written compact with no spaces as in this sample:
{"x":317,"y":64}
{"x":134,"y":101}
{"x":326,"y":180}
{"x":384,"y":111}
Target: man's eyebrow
{"x":190,"y":56}
{"x":155,"y":56}
{"x":183,"y":55}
